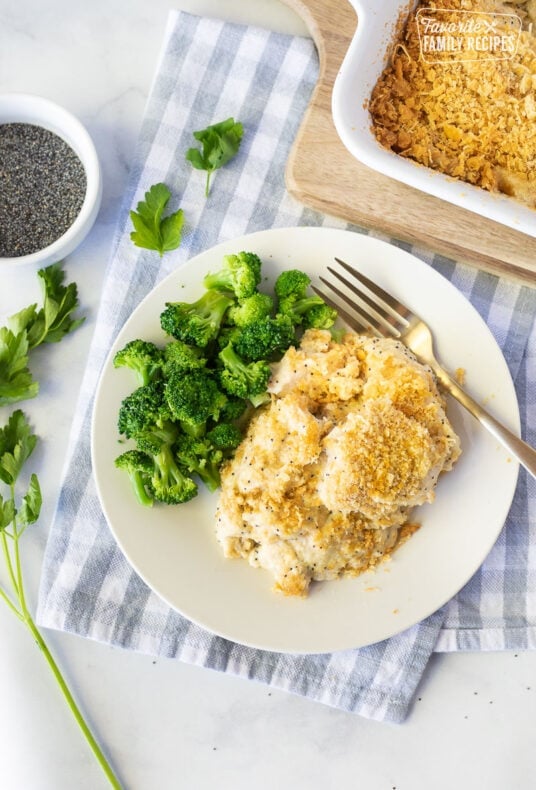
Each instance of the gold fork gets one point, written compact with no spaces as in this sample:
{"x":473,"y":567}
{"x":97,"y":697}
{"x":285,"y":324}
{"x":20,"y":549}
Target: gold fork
{"x":385,"y":316}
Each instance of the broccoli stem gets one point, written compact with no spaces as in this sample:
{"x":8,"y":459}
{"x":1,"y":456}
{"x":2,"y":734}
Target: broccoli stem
{"x":301,"y":306}
{"x":260,"y":399}
{"x":196,"y":431}
{"x":210,"y":476}
{"x":165,"y":466}
{"x":140,"y":490}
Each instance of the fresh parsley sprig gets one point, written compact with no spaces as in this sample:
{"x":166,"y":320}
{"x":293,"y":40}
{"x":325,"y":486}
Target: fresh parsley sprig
{"x":219,"y":143}
{"x":17,"y":512}
{"x":31,"y":327}
{"x":151,"y":230}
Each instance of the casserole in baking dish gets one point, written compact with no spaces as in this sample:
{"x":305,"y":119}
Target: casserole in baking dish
{"x":452,"y":113}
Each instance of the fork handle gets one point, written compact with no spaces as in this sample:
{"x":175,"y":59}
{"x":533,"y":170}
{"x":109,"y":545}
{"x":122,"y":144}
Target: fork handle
{"x":523,"y":452}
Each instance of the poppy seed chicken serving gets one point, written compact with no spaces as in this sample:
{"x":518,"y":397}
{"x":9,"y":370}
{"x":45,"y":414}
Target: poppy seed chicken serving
{"x":324,"y":483}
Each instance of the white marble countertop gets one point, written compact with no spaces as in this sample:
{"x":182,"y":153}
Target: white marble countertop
{"x":165,"y":724}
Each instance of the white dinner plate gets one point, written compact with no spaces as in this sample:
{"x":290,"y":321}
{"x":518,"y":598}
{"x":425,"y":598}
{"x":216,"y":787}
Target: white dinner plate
{"x":174,"y":549}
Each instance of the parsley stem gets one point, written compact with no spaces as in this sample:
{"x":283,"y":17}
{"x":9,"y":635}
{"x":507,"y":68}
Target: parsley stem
{"x":18,"y":567}
{"x":101,"y":759}
{"x":9,"y":563}
{"x":11,"y":605}
{"x":25,"y":616}
{"x":207,"y":183}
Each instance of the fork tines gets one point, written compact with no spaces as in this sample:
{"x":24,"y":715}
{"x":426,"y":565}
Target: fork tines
{"x":374,"y":310}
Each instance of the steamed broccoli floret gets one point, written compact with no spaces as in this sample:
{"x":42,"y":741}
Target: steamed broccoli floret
{"x":233,"y":409}
{"x":251,"y":309}
{"x":151,"y":438}
{"x":168,"y":483}
{"x":309,"y":311}
{"x":183,"y":357}
{"x":198,"y":322}
{"x":200,"y":457}
{"x":228,"y":334}
{"x":205,"y":455}
{"x":240,"y":274}
{"x":243,"y":379}
{"x":225,"y":436}
{"x":265,"y":338}
{"x":194,"y":398}
{"x":139,"y":468}
{"x":144,"y":417}
{"x":142,"y":409}
{"x":141,"y":356}
{"x":291,"y":282}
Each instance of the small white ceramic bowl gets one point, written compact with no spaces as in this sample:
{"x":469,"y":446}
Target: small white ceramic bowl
{"x":26,"y":108}
{"x":362,"y":65}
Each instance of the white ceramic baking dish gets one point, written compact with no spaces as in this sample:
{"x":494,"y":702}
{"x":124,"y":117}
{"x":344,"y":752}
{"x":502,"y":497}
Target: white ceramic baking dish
{"x":362,"y":65}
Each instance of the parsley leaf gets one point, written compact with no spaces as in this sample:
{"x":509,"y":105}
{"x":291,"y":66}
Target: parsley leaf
{"x":16,"y":381}
{"x":7,"y":512}
{"x":32,"y":326}
{"x":16,"y":445}
{"x":151,"y":231}
{"x":220,"y":142}
{"x":28,"y":512}
{"x":53,"y":321}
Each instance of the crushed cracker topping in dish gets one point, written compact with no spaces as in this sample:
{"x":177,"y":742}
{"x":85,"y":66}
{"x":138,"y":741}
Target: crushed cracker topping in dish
{"x":473,"y":120}
{"x":324,"y":483}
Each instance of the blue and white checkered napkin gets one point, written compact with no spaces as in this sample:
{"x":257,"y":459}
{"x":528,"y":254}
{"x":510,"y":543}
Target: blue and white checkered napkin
{"x":210,"y":70}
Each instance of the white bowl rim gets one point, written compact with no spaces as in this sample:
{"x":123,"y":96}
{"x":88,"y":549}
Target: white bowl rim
{"x":22,"y":108}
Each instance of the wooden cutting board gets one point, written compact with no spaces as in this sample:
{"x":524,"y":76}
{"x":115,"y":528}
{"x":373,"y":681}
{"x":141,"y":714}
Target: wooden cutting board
{"x":322,"y":174}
